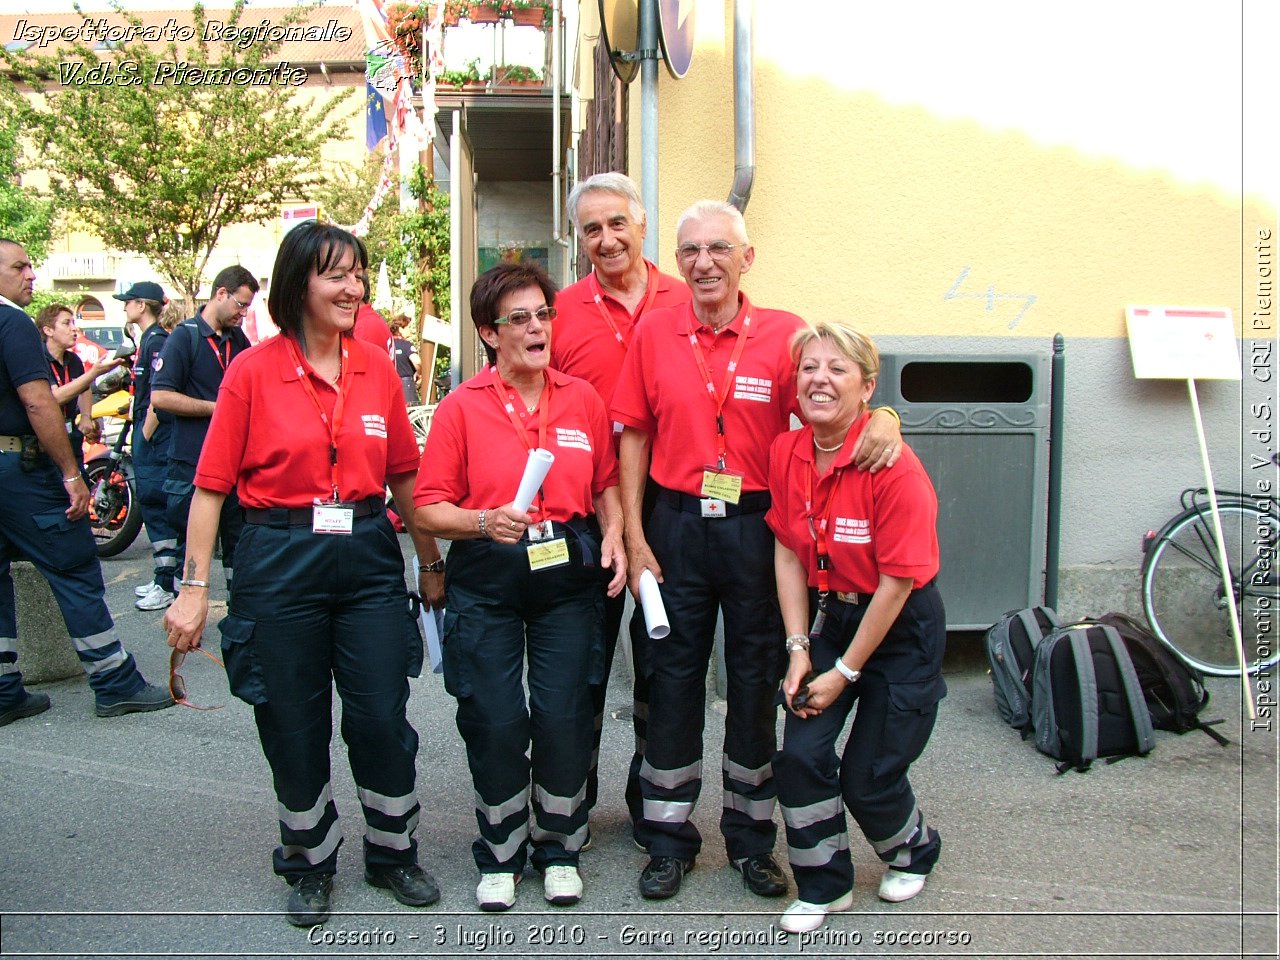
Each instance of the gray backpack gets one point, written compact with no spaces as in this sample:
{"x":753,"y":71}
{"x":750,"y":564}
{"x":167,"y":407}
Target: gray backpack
{"x":1011,"y":648}
{"x":1086,"y":700}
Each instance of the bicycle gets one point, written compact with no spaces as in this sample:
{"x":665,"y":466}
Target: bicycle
{"x":114,"y":514}
{"x":1183,"y":594}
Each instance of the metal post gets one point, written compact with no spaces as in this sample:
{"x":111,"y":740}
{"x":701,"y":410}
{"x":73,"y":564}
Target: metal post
{"x":1053,"y":532}
{"x":649,"y":123}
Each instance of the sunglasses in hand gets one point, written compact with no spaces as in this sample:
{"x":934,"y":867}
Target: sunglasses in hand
{"x":178,"y":685}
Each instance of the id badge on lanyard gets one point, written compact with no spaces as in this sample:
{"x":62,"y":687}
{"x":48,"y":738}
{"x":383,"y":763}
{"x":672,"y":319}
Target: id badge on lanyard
{"x":333,"y":518}
{"x":718,"y":482}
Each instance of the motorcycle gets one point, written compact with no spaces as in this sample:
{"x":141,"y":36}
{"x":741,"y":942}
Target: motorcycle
{"x":114,"y":513}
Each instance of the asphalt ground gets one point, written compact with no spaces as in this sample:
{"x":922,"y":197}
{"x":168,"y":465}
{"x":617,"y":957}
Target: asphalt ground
{"x":151,"y":835}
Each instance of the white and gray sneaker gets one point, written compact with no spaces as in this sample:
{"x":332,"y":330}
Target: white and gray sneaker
{"x":157,"y":598}
{"x":497,"y":891}
{"x":562,"y":885}
{"x":143,"y":590}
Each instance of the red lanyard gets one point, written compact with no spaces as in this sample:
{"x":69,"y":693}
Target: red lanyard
{"x":818,"y":530}
{"x":332,"y":424}
{"x":509,"y":399}
{"x":59,"y":375}
{"x":598,"y":295}
{"x":720,"y":397}
{"x":213,"y":345}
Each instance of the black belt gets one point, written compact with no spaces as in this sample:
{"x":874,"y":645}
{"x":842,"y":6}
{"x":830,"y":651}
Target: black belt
{"x":302,"y":516}
{"x":861,"y":599}
{"x":756,"y":502}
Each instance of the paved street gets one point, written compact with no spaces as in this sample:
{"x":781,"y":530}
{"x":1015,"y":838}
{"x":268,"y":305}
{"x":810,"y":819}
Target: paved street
{"x":152,"y":834}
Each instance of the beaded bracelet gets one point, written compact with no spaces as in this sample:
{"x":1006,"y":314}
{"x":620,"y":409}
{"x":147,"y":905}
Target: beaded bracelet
{"x":797,"y":641}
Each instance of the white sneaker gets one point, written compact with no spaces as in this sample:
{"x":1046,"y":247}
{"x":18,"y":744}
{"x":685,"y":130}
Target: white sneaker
{"x":562,"y":885}
{"x":896,"y":886}
{"x":497,"y":891}
{"x":157,"y":598}
{"x":143,"y":590}
{"x":802,"y":916}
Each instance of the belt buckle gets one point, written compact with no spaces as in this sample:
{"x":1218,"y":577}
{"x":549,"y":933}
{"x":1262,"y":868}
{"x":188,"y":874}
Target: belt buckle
{"x":851,"y":598}
{"x":712,"y":507}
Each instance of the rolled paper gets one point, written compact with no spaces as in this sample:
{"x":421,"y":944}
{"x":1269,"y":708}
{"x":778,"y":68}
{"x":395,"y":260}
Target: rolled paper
{"x":431,"y":623}
{"x":535,"y":471}
{"x":655,"y":614}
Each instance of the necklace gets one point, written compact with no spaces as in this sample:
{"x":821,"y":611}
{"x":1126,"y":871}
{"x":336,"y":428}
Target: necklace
{"x":819,"y":446}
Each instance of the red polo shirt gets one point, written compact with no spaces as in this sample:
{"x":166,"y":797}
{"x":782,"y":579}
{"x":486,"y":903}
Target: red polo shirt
{"x":584,"y":345}
{"x":882,"y":522}
{"x":370,"y":326}
{"x":663,"y":392}
{"x":268,"y":441}
{"x":474,"y":457}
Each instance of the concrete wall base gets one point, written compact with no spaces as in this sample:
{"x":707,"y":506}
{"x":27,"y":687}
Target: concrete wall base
{"x":45,"y":650}
{"x":1094,"y":590}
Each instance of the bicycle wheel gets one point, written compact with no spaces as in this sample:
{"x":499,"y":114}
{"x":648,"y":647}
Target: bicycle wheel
{"x":1184,"y":597}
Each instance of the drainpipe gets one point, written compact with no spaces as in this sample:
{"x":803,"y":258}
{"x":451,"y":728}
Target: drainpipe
{"x":744,"y":105}
{"x":557,"y":156}
{"x":649,"y":122}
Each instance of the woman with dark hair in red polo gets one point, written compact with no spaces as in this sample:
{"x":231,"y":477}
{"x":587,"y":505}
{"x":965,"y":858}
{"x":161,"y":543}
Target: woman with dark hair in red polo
{"x":867,"y":544}
{"x":310,"y":429}
{"x":523,"y":588}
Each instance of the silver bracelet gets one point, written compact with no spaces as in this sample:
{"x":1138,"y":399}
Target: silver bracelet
{"x":71,"y":479}
{"x":483,"y":532}
{"x":203,"y":584}
{"x":797,"y":641}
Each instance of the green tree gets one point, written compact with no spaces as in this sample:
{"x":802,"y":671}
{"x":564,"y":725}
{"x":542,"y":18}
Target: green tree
{"x":157,"y":149}
{"x":23,"y":216}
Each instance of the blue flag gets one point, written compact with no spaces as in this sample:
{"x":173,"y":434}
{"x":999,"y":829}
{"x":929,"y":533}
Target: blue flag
{"x":375,"y":117}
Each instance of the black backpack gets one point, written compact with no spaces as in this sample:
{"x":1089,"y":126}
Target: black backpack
{"x":1175,"y":692}
{"x":1086,"y":700}
{"x":1011,"y":645}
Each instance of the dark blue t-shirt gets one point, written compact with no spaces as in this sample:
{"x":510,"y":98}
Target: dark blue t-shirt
{"x":21,"y":361}
{"x":150,"y":345}
{"x":192,"y":363}
{"x":71,"y":368}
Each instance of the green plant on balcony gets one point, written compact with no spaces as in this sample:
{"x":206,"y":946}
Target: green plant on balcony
{"x":460,"y":78}
{"x":515,"y":74}
{"x":527,"y":13}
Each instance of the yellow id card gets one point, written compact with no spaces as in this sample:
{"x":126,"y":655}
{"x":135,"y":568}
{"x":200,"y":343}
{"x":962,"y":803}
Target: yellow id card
{"x":548,"y":553}
{"x":720,"y":485}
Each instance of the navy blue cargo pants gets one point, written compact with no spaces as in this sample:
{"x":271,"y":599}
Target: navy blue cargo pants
{"x":34,"y":526}
{"x":897,"y":704}
{"x":501,"y":617}
{"x":723,"y":563}
{"x":310,"y":611}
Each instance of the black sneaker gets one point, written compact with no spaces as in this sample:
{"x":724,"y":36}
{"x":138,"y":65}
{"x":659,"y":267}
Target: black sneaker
{"x":411,"y":885}
{"x":661,"y":878}
{"x":761,"y":875}
{"x":149,"y":698}
{"x":309,"y":900}
{"x":33,"y":704}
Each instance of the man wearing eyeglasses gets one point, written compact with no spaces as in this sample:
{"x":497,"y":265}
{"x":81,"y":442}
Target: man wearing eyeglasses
{"x":595,"y":320}
{"x":703,"y":392}
{"x":185,"y":384}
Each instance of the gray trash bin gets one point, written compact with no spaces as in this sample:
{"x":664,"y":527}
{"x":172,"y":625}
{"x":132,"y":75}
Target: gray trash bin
{"x":980,"y":425}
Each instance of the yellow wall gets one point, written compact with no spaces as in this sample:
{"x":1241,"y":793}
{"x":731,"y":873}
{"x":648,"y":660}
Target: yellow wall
{"x":872,"y":208}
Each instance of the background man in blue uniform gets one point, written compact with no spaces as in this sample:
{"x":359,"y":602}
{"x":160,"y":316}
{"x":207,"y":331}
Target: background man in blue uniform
{"x":151,"y":434}
{"x":43,"y":518}
{"x":185,"y":384}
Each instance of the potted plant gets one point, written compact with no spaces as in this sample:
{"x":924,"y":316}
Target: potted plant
{"x":516,"y":76}
{"x":485,"y":11}
{"x":525,"y":13}
{"x":455,"y":10}
{"x":405,"y":22}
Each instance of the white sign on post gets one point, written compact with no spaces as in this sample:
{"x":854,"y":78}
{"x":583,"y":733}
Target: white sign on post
{"x":1194,"y":343}
{"x":1183,"y":343}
